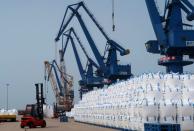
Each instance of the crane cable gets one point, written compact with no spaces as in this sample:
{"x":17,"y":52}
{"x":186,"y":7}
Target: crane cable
{"x":113,"y":14}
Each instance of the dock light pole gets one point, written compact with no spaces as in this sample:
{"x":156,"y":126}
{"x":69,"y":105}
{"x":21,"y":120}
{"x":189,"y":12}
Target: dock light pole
{"x":7,"y":88}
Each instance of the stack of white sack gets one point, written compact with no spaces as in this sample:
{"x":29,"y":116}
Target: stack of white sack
{"x":48,"y":111}
{"x":8,"y":112}
{"x":185,"y":105}
{"x":149,"y":98}
{"x":69,"y":114}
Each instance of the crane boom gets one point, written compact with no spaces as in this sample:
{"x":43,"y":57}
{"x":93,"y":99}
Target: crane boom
{"x":81,"y":70}
{"x":71,"y":30}
{"x":64,"y":25}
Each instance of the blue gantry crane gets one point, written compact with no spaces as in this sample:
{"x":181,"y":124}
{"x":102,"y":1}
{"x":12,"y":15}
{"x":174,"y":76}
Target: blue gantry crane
{"x":108,"y":67}
{"x":88,"y":78}
{"x":175,"y":38}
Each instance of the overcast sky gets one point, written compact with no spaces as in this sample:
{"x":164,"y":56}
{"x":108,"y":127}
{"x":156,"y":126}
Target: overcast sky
{"x":28,"y":29}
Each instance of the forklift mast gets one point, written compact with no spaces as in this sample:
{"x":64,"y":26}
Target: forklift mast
{"x":40,"y":100}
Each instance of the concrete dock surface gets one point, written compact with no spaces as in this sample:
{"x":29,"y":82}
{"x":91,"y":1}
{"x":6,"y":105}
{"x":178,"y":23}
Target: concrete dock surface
{"x":54,"y":125}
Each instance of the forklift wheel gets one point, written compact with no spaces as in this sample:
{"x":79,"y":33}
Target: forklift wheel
{"x":30,"y":124}
{"x":44,"y":124}
{"x":22,"y":126}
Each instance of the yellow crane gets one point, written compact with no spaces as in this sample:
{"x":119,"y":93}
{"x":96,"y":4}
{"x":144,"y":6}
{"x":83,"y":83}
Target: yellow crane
{"x":61,"y":86}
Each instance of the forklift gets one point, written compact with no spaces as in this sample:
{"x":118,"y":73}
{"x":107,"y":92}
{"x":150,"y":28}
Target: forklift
{"x":34,"y":116}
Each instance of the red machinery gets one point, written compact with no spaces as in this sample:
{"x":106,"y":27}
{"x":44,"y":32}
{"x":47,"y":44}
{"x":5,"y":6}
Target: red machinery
{"x":34,"y":116}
